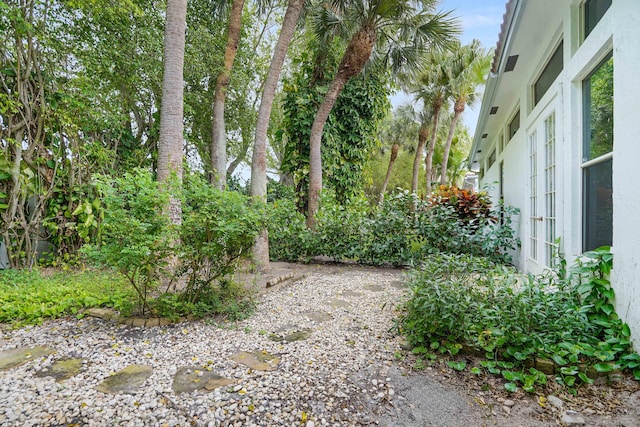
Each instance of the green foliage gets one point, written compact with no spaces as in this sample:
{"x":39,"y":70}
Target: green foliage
{"x":349,"y":134}
{"x":29,"y":297}
{"x":137,"y":238}
{"x":466,"y":300}
{"x":218,"y":228}
{"x":73,"y":218}
{"x":390,"y":233}
{"x":228,"y":299}
{"x":289,"y":237}
{"x":339,"y":229}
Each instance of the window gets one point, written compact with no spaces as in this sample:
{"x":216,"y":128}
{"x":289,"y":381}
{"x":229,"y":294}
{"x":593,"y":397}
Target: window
{"x":548,"y":76}
{"x":533,"y":196}
{"x":597,"y":91}
{"x":501,"y":143}
{"x":492,"y":159}
{"x":514,"y":125}
{"x":597,"y":156}
{"x":593,"y":11}
{"x":550,"y":188}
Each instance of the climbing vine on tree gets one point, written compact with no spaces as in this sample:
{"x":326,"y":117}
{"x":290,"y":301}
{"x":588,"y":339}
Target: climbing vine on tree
{"x":349,"y":137}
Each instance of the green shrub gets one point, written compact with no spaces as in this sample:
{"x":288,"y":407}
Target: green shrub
{"x":289,"y":238}
{"x":227,"y":298}
{"x":466,"y":300}
{"x":137,"y":238}
{"x":218,"y":229}
{"x":340,"y":228}
{"x":402,"y":230}
{"x":389,"y":231}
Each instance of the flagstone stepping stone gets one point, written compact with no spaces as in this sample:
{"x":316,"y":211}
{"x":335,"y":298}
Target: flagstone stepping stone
{"x":62,"y":369}
{"x":317,"y":316}
{"x":374,"y":288}
{"x":300,"y":335}
{"x":257,"y":360}
{"x":399,"y":284}
{"x":348,"y":293}
{"x":193,"y":378}
{"x":125,"y":381}
{"x":18,"y":356}
{"x":335,"y":302}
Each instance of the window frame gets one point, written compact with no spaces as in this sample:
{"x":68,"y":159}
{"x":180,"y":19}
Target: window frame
{"x":558,"y":52}
{"x":589,"y":165}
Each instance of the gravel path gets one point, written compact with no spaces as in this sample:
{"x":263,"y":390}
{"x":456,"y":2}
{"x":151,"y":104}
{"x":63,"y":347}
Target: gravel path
{"x":336,"y":376}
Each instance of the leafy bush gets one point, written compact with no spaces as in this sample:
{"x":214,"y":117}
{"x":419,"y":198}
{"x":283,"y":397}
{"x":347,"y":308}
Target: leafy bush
{"x":137,"y":239}
{"x":469,"y":205}
{"x":401,"y":230}
{"x":289,"y":237}
{"x":466,"y":300}
{"x":340,"y":228}
{"x":227,"y":299}
{"x":218,"y":228}
{"x":28,"y":297}
{"x":389,"y":231}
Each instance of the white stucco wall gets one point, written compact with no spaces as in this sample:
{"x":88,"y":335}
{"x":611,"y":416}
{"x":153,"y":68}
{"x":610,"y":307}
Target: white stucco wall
{"x":626,"y":160}
{"x":619,"y":30}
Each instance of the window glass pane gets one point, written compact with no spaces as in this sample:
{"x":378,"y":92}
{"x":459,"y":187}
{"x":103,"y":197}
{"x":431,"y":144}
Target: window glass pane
{"x":514,"y":125}
{"x":598,"y":206}
{"x":548,"y":76}
{"x":598,"y":111}
{"x":492,"y":159}
{"x":594,"y":10}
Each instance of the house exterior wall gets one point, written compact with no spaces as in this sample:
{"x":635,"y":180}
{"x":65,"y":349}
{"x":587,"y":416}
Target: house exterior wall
{"x":626,"y":195}
{"x":618,"y":32}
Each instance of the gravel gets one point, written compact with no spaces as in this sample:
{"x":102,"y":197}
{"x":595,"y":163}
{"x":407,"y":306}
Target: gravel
{"x":337,"y":376}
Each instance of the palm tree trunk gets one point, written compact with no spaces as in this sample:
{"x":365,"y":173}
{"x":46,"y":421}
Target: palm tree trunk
{"x":457,"y":111}
{"x":219,"y":136}
{"x":355,"y":56}
{"x":315,"y":155}
{"x":170,"y":144}
{"x":422,"y":140}
{"x":428,"y":161}
{"x":392,"y":159}
{"x":259,"y":161}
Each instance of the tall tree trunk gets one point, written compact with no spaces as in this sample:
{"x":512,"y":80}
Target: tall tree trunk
{"x":259,"y":160}
{"x":457,"y":111}
{"x":219,"y":135}
{"x":170,"y":154}
{"x":428,"y":161}
{"x":392,"y":160}
{"x":422,"y":141}
{"x":355,"y":56}
{"x":315,"y":155}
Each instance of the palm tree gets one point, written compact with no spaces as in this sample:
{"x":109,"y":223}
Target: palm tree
{"x":431,"y":89}
{"x":400,"y":130}
{"x":259,"y":161}
{"x":170,"y":154}
{"x":466,"y":72}
{"x":396,"y":31}
{"x":219,"y":136}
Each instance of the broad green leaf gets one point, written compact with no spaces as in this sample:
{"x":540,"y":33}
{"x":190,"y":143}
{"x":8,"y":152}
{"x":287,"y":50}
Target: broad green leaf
{"x":603,"y":367}
{"x":511,"y":387}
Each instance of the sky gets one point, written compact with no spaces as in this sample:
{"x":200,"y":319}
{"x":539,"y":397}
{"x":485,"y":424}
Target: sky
{"x":480,"y":19}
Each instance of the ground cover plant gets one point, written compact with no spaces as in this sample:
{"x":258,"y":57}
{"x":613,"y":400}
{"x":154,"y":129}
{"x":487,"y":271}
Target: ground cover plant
{"x":515,"y":321}
{"x":30,"y":296}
